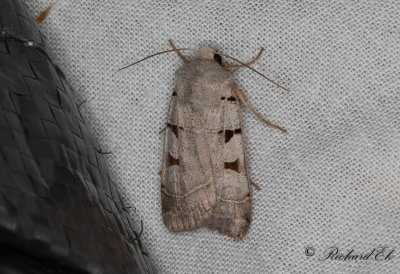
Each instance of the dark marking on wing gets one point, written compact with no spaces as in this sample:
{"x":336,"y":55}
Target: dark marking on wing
{"x":229,"y":133}
{"x":172,"y":161}
{"x":232,"y":165}
{"x":231,"y":98}
{"x":223,"y":98}
{"x":174,"y":129}
{"x":220,"y":132}
{"x":174,"y":93}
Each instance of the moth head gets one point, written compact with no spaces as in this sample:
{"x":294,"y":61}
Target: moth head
{"x":209,"y":54}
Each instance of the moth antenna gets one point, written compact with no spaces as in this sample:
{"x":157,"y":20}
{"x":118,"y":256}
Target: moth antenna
{"x":247,"y":66}
{"x":178,"y":52}
{"x":158,"y":53}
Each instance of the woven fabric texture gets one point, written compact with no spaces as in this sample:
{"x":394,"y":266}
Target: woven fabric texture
{"x":332,"y":181}
{"x":60,"y":211}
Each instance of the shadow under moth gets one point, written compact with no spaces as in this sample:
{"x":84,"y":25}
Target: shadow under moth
{"x":205,"y":180}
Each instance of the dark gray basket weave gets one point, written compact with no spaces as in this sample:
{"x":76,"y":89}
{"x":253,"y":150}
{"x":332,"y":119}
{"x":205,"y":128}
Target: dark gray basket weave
{"x":59,"y":210}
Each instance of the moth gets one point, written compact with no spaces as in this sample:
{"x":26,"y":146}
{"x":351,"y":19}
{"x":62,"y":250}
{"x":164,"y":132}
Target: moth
{"x":205,"y":179}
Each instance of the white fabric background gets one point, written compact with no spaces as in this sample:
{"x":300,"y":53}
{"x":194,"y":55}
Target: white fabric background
{"x":332,"y":180}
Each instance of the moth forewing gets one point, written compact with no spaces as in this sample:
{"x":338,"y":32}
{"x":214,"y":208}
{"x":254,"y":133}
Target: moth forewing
{"x":233,"y":211}
{"x":187,"y":183}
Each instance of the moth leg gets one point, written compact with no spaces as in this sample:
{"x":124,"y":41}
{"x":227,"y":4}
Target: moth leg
{"x":43,"y":15}
{"x":241,"y":66}
{"x":178,"y":52}
{"x":246,"y":165}
{"x":236,"y":90}
{"x":163,"y":130}
{"x":253,"y":183}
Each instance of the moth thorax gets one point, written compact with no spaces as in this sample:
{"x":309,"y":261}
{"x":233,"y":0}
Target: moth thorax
{"x":206,"y":53}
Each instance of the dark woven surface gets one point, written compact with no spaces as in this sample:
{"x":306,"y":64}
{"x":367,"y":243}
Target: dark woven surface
{"x":60,"y":212}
